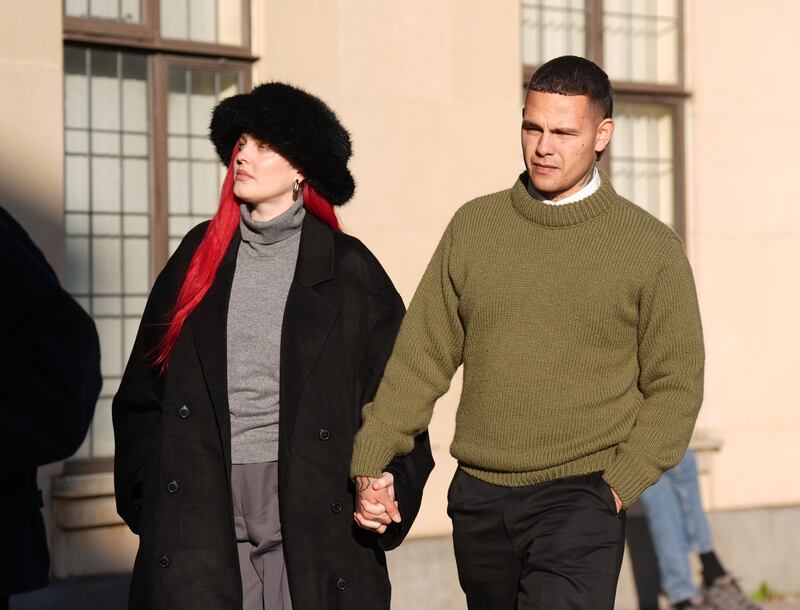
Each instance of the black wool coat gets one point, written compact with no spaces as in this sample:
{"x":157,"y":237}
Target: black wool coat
{"x":173,"y":446}
{"x":49,"y":383}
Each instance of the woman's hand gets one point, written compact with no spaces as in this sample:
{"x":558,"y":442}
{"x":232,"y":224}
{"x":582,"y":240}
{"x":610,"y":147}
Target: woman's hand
{"x":376,"y":507}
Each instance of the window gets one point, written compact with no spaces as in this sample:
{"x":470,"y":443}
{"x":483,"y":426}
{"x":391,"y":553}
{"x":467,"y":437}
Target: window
{"x":139,"y":170}
{"x":641,"y":40}
{"x":194,"y":172}
{"x":643,"y":163}
{"x":202,"y":21}
{"x":123,"y":11}
{"x":639,"y":43}
{"x":107,"y":205}
{"x":552,"y":28}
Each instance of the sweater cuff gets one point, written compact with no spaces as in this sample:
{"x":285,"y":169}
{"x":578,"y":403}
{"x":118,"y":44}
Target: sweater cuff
{"x":629,"y":478}
{"x":369,"y":459}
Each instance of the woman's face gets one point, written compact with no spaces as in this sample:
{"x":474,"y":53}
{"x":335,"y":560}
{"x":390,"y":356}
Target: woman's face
{"x":262,"y":175}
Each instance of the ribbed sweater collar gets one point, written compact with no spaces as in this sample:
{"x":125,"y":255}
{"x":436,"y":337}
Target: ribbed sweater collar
{"x":577,"y":212}
{"x":274,"y":230}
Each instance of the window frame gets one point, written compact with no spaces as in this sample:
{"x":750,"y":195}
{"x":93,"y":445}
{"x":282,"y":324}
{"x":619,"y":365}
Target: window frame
{"x":671,"y":95}
{"x":677,"y":108}
{"x":147,"y":35}
{"x":160,"y":208}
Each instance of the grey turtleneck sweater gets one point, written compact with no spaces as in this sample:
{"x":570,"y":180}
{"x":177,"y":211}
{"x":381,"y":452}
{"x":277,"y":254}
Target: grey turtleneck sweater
{"x":265,"y":267}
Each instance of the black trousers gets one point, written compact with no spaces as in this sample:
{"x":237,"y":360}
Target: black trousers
{"x":554,"y":546}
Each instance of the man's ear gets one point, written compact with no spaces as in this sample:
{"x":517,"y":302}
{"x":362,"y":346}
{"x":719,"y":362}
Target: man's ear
{"x":603,"y":135}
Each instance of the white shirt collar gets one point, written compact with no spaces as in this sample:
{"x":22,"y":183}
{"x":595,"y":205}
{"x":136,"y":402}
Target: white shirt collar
{"x":587,"y":190}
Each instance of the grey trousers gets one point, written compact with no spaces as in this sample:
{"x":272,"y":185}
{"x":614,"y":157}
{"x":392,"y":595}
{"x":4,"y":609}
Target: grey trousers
{"x":258,"y":535}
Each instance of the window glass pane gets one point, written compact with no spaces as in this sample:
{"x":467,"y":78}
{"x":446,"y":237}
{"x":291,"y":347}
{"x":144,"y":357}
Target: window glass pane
{"x":134,"y":145}
{"x":206,"y":21}
{"x":134,"y":93}
{"x":193,"y":172}
{"x":102,"y":428}
{"x":105,"y":225}
{"x":107,"y":203}
{"x":135,"y":268}
{"x":229,"y":23}
{"x":106,"y":182}
{"x":229,"y":84}
{"x":76,"y":270}
{"x":178,"y":172}
{"x":205,"y":188}
{"x":76,"y":141}
{"x":175,"y":19}
{"x":643,"y":157}
{"x":76,"y":182}
{"x":551,"y":28}
{"x":135,"y":187}
{"x":104,"y":90}
{"x":105,"y":143}
{"x":109,"y":328}
{"x":641,"y":40}
{"x":131,"y":11}
{"x":202,"y":99}
{"x":122,"y":11}
{"x":106,"y":265}
{"x":202,"y":21}
{"x":104,"y":9}
{"x":76,"y":8}
{"x":76,"y":88}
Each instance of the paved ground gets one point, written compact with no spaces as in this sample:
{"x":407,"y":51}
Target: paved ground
{"x":110,"y":593}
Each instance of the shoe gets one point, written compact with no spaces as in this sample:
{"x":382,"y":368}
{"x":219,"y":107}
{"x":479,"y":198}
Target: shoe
{"x":725,"y":594}
{"x":697,"y":603}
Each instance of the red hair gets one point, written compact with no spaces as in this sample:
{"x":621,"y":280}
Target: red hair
{"x":208,"y":256}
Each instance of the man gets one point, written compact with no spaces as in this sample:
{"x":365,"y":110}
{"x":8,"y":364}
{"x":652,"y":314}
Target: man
{"x":49,"y":383}
{"x":575,"y":315}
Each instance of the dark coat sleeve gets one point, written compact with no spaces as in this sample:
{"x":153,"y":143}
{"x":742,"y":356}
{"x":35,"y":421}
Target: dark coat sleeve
{"x":50,"y":357}
{"x":136,"y":408}
{"x":410,"y":471}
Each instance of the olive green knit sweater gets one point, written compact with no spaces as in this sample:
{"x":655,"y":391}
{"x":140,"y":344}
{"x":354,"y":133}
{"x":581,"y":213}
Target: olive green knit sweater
{"x":579,"y":332}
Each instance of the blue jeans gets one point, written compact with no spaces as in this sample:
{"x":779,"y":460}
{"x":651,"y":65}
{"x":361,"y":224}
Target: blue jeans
{"x":678,"y":526}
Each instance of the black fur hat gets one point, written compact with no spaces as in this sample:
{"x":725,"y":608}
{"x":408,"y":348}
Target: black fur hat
{"x":300,"y":126}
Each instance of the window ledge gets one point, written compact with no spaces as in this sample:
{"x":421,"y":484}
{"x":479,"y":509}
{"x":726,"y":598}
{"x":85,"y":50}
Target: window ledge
{"x":85,"y":501}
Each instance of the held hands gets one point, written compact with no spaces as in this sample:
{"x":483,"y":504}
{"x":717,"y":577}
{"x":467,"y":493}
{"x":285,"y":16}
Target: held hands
{"x":376,"y":507}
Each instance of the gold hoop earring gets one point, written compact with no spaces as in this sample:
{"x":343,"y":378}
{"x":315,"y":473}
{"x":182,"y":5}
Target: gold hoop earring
{"x":296,"y":187}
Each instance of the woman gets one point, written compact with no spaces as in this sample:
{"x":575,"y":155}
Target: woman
{"x":263,"y":336}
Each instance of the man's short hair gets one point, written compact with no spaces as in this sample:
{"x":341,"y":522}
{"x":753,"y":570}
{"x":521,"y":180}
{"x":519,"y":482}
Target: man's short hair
{"x":571,"y":75}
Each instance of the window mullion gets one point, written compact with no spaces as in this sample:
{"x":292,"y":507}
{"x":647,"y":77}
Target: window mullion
{"x":158,"y":125}
{"x":595,"y":29}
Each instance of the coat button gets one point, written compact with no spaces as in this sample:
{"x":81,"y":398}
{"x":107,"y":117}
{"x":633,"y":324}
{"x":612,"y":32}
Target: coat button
{"x":341,"y":584}
{"x":163,"y":561}
{"x":324,"y":434}
{"x":184,"y":412}
{"x":172,"y":487}
{"x":336,"y":507}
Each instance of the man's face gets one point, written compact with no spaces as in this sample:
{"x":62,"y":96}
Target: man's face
{"x":560,"y":136}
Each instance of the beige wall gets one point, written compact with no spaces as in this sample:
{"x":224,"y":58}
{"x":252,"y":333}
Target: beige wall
{"x":31,"y":124}
{"x":431,"y":94}
{"x":744,"y":240}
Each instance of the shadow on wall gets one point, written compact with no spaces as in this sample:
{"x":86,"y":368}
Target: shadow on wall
{"x":42,"y":220}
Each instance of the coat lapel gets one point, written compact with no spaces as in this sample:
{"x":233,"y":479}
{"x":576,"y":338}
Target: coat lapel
{"x":210,"y":329}
{"x":307,"y":320}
